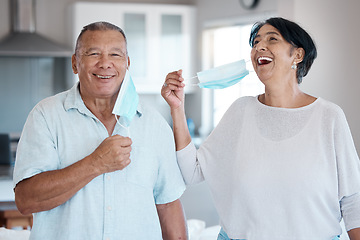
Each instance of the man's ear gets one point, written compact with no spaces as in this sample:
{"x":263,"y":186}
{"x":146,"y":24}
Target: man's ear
{"x":128,"y":63}
{"x":73,"y":64}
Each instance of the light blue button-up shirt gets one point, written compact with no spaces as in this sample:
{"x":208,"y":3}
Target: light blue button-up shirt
{"x":60,"y":131}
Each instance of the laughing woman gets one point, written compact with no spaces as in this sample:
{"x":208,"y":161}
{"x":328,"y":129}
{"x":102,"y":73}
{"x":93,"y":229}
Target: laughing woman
{"x":281,"y":165}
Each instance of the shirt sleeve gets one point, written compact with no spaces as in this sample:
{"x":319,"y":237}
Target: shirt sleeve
{"x":189,"y":165}
{"x":170,"y":184}
{"x":36,"y":151}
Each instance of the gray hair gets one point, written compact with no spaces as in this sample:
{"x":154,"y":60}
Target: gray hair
{"x":98,"y":26}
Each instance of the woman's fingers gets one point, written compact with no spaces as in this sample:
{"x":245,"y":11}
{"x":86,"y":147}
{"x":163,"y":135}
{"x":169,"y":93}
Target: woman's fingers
{"x":174,"y":80}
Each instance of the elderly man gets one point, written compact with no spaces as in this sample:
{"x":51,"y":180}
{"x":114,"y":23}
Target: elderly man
{"x":81,"y":174}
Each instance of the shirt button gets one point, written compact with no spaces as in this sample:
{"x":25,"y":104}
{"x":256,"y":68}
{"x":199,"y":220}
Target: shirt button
{"x":109,"y":208}
{"x":108,"y":177}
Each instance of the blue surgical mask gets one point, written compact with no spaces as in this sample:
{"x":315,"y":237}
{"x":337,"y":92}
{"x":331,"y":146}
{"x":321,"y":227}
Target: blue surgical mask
{"x":126,"y":102}
{"x":223,"y":76}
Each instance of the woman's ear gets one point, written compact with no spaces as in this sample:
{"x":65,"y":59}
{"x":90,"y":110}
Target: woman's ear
{"x":299,"y":55}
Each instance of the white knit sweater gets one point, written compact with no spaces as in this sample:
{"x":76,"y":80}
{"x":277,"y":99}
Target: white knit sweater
{"x":278,"y":173}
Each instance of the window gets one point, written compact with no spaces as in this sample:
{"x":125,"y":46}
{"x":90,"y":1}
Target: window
{"x":225,"y":45}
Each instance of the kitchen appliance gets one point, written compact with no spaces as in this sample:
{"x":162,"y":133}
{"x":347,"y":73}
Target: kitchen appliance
{"x":5,"y":152}
{"x":23,"y":41}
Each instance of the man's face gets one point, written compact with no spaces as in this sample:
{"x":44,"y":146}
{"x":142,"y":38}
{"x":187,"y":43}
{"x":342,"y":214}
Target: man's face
{"x":101,"y":63}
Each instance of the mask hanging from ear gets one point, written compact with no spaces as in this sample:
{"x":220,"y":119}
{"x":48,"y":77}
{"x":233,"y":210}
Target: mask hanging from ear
{"x":126,"y":102}
{"x":223,"y":76}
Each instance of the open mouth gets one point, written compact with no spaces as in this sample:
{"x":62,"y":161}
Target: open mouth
{"x":264,"y":60}
{"x":103,"y":76}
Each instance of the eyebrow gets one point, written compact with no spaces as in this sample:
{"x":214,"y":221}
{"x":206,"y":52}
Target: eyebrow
{"x":117,"y":49}
{"x":91,"y":49}
{"x":98,"y":49}
{"x":268,"y":33}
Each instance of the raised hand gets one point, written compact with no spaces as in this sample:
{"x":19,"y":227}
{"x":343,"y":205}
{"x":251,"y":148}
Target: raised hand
{"x":173,"y":89}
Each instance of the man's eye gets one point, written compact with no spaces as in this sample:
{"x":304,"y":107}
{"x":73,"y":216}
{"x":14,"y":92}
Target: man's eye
{"x":118,"y":55}
{"x":93,"y":54}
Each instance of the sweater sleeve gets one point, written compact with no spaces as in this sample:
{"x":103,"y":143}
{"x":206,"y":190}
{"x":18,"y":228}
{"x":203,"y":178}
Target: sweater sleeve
{"x":348,"y":167}
{"x":350,"y":208}
{"x":189,"y":165}
{"x":348,"y":164}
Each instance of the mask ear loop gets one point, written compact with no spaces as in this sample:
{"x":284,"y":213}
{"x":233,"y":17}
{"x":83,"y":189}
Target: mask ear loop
{"x":126,"y":128}
{"x":191,"y":84}
{"x":188,"y":79}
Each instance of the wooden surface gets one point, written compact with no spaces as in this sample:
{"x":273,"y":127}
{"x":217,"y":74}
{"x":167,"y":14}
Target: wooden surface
{"x":10,"y":217}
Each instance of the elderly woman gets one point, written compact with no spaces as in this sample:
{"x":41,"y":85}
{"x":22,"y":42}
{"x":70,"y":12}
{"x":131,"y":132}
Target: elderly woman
{"x":281,"y":165}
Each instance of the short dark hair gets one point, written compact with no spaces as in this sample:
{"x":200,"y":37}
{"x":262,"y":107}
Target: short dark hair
{"x":98,"y":26}
{"x":296,"y":36}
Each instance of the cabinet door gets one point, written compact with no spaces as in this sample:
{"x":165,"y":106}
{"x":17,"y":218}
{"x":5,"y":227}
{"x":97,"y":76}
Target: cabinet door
{"x":135,"y":29}
{"x":172,"y":43}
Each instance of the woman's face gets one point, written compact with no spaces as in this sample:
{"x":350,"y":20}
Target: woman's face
{"x":272,"y":56}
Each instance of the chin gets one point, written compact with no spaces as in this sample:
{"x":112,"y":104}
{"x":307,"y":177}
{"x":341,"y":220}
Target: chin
{"x":264,"y":79}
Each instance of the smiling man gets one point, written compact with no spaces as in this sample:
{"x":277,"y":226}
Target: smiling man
{"x":79,"y":172}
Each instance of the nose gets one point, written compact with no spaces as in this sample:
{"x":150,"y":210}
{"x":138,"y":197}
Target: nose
{"x":104,"y":61}
{"x":260,"y":46}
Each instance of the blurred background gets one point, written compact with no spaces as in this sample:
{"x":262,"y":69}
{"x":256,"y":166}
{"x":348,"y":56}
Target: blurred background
{"x":163,"y":36}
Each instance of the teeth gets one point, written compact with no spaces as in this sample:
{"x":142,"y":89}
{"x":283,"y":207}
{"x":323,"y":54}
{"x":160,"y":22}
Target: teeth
{"x":103,"y":77}
{"x":262,"y":60}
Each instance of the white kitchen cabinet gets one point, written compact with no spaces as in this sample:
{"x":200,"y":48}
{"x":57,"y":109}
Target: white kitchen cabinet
{"x":160,"y":37}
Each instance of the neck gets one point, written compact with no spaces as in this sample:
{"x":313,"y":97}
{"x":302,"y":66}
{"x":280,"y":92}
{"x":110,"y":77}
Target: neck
{"x":99,"y":105}
{"x":285,"y":96}
{"x":102,"y":109}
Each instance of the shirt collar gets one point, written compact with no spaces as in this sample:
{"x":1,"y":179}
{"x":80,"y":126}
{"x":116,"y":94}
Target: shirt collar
{"x":73,"y":100}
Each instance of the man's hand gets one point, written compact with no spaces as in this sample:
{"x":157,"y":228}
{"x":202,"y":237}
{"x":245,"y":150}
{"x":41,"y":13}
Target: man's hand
{"x":112,"y":154}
